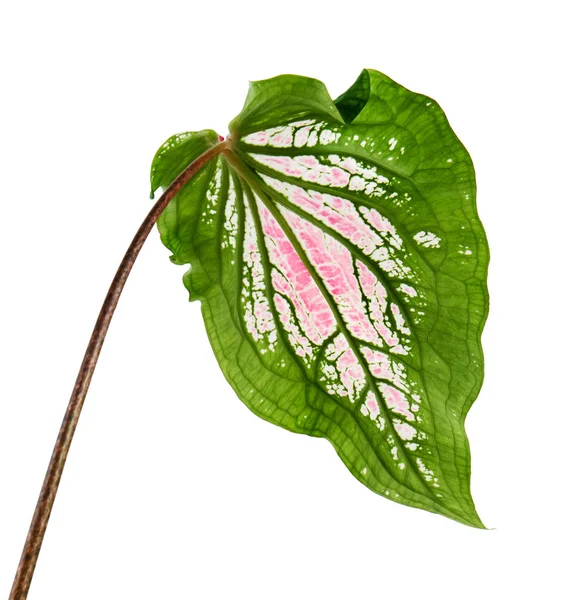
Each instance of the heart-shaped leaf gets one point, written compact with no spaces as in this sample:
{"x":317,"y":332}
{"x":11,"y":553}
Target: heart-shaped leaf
{"x":341,"y":265}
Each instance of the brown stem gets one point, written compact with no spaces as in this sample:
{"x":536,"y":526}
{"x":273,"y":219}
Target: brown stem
{"x":48,"y":492}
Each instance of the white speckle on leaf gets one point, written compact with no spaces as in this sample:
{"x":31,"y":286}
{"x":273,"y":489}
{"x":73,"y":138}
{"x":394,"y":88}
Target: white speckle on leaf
{"x":408,"y":289}
{"x":427,"y":239}
{"x":405,"y":431}
{"x":328,"y":137}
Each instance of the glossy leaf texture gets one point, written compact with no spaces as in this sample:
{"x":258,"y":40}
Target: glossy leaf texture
{"x":339,"y":259}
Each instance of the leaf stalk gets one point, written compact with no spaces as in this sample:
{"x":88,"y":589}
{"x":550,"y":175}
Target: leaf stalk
{"x":52,"y":479}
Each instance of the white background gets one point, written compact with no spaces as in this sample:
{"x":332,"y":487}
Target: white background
{"x":173,"y":488}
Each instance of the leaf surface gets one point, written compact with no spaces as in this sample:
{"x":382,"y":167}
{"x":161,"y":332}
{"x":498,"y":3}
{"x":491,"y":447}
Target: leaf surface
{"x":341,"y":266}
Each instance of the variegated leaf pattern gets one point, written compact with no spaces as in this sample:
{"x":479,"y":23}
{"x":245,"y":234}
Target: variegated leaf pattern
{"x":341,"y":266}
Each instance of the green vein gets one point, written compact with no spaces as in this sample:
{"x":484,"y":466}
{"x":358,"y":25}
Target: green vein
{"x":250,"y":178}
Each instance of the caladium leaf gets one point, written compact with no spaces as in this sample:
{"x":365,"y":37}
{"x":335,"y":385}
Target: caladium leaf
{"x":341,"y":266}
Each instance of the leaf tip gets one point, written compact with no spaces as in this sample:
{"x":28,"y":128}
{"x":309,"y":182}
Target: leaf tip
{"x":471,"y":518}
